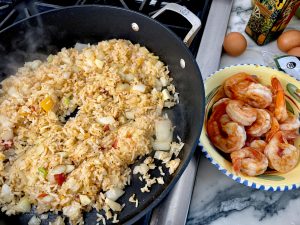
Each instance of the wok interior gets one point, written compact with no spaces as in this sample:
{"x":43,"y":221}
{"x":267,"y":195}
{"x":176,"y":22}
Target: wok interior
{"x":40,"y":36}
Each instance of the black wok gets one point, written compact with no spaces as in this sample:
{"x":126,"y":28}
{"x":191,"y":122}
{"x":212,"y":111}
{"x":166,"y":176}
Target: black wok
{"x":47,"y":33}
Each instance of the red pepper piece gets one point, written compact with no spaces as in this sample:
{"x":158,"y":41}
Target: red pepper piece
{"x":106,"y":128}
{"x":60,"y":178}
{"x":115,"y":144}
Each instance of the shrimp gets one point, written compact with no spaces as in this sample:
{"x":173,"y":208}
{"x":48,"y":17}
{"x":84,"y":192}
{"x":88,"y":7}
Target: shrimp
{"x":282,"y":156}
{"x":290,"y":135}
{"x":274,"y":129}
{"x":261,"y":125}
{"x":258,"y":96}
{"x":249,"y":161}
{"x":291,"y":123}
{"x":280,"y":111}
{"x":224,"y":120}
{"x":244,"y":87}
{"x":235,"y":85}
{"x":258,"y":145}
{"x":239,"y":112}
{"x":226,"y":100}
{"x":225,"y":134}
{"x":290,"y":127}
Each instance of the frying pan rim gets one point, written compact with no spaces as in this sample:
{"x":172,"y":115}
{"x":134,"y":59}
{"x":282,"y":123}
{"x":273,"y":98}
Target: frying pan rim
{"x":191,"y":58}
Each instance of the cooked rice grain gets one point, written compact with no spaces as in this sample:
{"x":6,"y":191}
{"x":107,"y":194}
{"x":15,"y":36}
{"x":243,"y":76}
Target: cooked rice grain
{"x":114,"y":88}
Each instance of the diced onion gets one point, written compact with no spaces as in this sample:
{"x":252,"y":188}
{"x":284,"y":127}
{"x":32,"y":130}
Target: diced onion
{"x":80,"y":46}
{"x":72,"y":184}
{"x":6,"y":194}
{"x":162,"y":155}
{"x":58,"y":221}
{"x":176,"y":147}
{"x":34,"y":64}
{"x":5,"y":190}
{"x":166,"y":94}
{"x":142,"y":169}
{"x":63,"y":154}
{"x":164,"y":81}
{"x":44,"y":216}
{"x":7,"y":134}
{"x":6,"y":131}
{"x":163,"y":130}
{"x":161,"y":145}
{"x":50,"y":178}
{"x":40,"y":149}
{"x":136,"y":170}
{"x":172,"y":165}
{"x":72,"y":211}
{"x":47,"y":199}
{"x":66,"y":75}
{"x":34,"y":221}
{"x":128,"y":77}
{"x":4,"y":121}
{"x":169,"y":104}
{"x":122,"y":87}
{"x":154,"y":91}
{"x":113,"y":205}
{"x":12,"y":91}
{"x":114,"y":193}
{"x":24,"y":205}
{"x":139,"y":87}
{"x":99,"y":63}
{"x":106,"y":120}
{"x":50,"y":58}
{"x":160,"y":180}
{"x":84,"y":200}
{"x":58,"y":169}
{"x":69,"y":168}
{"x":129,"y":115}
{"x":158,"y":85}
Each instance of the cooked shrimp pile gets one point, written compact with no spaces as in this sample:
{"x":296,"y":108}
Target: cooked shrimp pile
{"x":250,"y":121}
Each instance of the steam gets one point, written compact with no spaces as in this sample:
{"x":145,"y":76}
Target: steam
{"x":18,"y":46}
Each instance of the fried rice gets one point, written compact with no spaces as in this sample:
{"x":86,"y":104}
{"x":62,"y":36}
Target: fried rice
{"x":71,"y":126}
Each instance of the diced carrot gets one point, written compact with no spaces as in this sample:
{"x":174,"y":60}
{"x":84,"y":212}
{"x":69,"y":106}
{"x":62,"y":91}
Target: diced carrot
{"x":47,"y":103}
{"x":42,"y":195}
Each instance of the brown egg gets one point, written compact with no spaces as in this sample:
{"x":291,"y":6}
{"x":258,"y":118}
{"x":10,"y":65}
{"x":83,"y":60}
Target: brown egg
{"x":234,"y":44}
{"x":294,"y":51}
{"x":288,"y":40}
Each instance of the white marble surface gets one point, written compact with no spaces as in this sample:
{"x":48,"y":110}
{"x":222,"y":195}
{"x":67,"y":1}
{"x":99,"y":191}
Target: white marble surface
{"x":218,"y":200}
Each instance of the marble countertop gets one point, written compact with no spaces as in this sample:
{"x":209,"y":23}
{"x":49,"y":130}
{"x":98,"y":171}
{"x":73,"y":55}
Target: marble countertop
{"x":218,"y":200}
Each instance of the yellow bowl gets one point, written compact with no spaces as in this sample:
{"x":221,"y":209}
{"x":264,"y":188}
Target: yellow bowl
{"x":274,"y":181}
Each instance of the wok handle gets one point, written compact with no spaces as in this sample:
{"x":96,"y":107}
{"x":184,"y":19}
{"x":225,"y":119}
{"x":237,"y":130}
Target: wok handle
{"x":191,"y":17}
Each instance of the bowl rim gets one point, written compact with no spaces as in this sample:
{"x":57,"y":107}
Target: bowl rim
{"x":234,"y":177}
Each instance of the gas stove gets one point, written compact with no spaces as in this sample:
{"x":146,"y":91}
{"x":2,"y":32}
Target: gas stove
{"x":12,"y":11}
